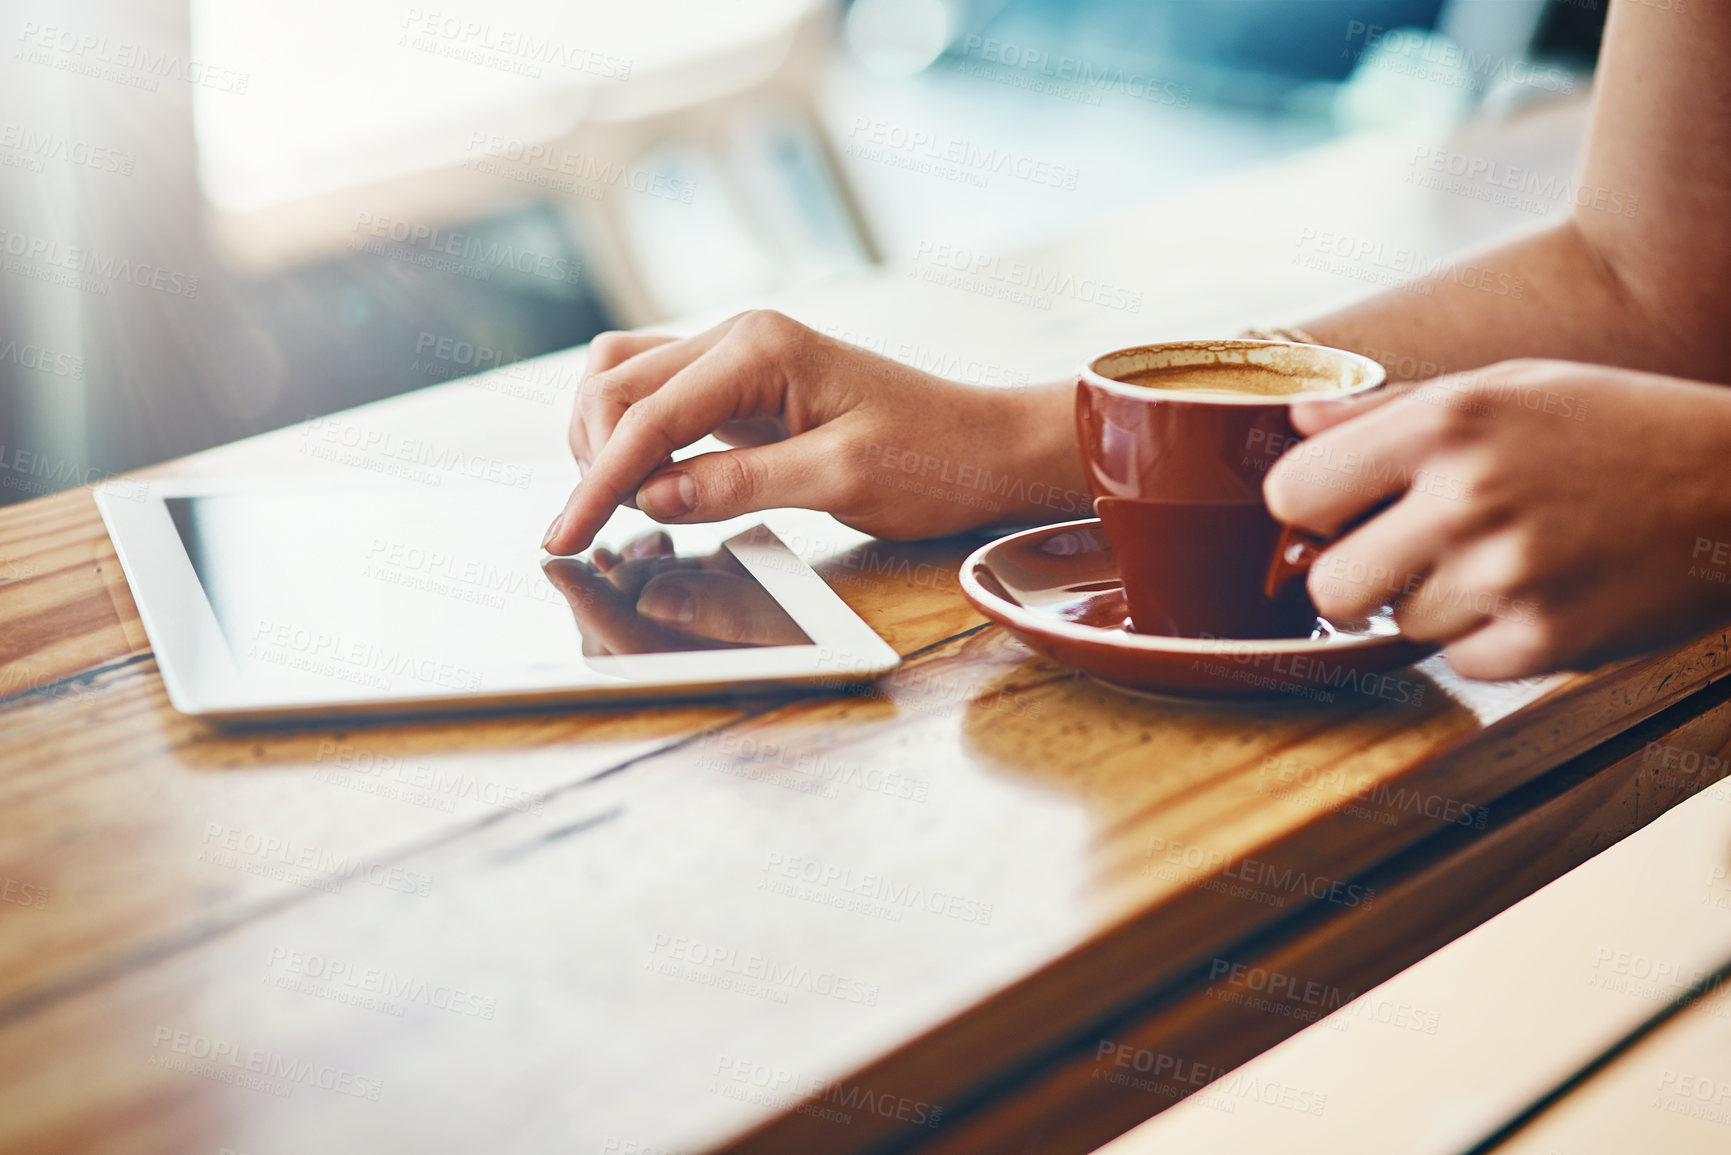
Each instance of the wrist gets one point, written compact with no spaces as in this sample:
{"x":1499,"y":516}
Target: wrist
{"x":1043,"y":457}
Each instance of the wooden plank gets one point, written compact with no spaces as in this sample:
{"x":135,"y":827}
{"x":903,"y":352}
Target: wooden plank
{"x":1256,"y":994}
{"x":63,"y":599}
{"x":1669,"y":1091}
{"x":1161,"y":933}
{"x":1477,"y":1034}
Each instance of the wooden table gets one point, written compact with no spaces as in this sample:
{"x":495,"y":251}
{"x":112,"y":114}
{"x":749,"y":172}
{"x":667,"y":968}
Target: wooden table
{"x":985,"y":905}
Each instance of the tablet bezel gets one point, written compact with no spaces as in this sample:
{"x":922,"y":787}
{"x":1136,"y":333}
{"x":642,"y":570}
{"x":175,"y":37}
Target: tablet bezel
{"x":204,"y":680}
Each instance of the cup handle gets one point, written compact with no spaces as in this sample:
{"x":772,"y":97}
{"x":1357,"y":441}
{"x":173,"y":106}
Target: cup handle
{"x":1294,"y":554}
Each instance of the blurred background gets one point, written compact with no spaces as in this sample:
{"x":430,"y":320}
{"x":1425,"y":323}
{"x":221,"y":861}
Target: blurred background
{"x":219,"y":218}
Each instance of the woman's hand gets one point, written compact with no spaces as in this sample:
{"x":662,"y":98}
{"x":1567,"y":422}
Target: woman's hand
{"x":712,"y":596}
{"x":819,"y":423}
{"x":1545,"y":514}
{"x":647,"y":600}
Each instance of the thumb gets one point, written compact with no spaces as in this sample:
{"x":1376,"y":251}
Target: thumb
{"x":800,"y":471}
{"x":720,"y":606}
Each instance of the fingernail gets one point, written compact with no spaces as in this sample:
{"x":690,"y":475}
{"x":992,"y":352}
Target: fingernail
{"x":674,"y":495}
{"x":553,"y":530}
{"x":668,"y":604}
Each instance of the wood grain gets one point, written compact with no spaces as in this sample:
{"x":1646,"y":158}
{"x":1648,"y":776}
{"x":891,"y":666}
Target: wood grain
{"x":62,"y":596}
{"x":1476,"y":1036}
{"x":1312,"y":967}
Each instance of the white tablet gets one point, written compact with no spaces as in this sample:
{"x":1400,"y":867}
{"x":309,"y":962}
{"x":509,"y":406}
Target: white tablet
{"x":264,"y":601}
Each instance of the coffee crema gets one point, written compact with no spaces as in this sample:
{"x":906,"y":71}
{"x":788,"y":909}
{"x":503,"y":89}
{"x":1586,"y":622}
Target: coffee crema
{"x":1233,"y":378}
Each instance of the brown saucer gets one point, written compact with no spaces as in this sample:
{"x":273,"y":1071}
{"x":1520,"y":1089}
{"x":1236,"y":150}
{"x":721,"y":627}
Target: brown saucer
{"x":1057,"y":589}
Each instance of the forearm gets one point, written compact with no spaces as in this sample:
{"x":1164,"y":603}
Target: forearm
{"x":1642,"y":289}
{"x":1555,"y":294}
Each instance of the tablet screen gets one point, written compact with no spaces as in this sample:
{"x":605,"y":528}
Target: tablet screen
{"x":444,"y":583}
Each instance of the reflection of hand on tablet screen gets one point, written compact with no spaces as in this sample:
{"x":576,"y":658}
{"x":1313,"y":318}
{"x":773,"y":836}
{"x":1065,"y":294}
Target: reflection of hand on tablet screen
{"x":646,"y":599}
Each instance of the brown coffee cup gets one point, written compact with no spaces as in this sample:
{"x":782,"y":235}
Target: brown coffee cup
{"x":1177,"y":439}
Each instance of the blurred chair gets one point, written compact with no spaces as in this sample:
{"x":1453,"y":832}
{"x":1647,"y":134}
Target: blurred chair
{"x":728,"y":190}
{"x":685,"y":150}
